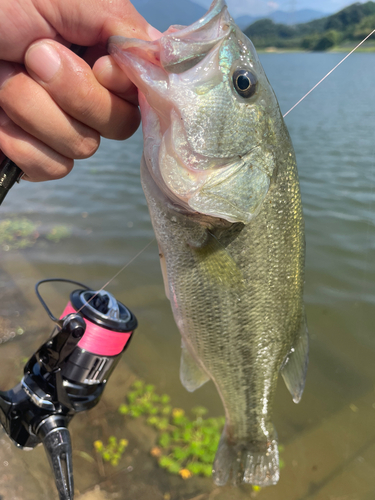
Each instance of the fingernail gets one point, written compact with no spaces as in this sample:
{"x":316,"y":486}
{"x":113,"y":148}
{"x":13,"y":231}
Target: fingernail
{"x":103,"y":67}
{"x":6,"y":71}
{"x":23,"y":177}
{"x":43,"y":60}
{"x":153,"y":33}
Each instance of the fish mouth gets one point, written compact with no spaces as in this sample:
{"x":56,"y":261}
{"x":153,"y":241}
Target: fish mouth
{"x":151,"y":64}
{"x":230,"y":187}
{"x":180,"y":47}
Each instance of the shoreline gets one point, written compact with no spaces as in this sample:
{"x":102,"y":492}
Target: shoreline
{"x":341,"y":49}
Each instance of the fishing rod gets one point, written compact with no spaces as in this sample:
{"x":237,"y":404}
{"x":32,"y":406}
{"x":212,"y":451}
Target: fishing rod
{"x":9,"y":175}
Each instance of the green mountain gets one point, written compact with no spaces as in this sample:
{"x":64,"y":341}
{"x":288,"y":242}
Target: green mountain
{"x":347,"y":26}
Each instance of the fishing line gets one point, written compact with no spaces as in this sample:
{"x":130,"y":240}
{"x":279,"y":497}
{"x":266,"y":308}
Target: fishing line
{"x":332,"y":70}
{"x":291,"y":109}
{"x":118,"y":272}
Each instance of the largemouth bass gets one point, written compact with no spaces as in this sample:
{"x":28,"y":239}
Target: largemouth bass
{"x":220,"y":178}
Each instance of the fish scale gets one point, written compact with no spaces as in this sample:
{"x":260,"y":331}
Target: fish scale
{"x":230,"y":232}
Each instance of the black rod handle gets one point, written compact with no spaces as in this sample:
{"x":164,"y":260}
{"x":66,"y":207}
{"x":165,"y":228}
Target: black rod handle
{"x":9,"y":174}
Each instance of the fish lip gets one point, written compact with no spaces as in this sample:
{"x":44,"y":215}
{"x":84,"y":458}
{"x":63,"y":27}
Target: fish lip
{"x":195,"y":41}
{"x":117,"y":44}
{"x":174,"y":49}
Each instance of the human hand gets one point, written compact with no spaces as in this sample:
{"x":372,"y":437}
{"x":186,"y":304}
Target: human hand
{"x":53,"y":105}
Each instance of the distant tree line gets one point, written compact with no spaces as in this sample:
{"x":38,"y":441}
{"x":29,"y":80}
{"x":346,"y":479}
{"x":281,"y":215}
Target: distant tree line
{"x":348,"y":25}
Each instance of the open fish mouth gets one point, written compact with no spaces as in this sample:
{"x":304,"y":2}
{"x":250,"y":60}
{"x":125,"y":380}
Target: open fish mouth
{"x":180,"y":47}
{"x":185,"y":81}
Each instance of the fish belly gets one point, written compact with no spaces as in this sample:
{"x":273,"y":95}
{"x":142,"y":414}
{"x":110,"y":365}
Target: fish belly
{"x":236,"y":295}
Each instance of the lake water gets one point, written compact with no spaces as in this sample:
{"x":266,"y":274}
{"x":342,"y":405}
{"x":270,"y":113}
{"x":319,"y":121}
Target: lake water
{"x":329,"y":438}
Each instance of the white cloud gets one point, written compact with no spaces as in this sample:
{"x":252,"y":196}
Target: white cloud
{"x":273,"y":5}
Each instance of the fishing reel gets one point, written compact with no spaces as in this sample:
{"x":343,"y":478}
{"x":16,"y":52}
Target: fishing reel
{"x":66,"y":375}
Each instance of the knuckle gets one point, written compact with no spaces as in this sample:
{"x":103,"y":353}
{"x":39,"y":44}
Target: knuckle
{"x":59,"y":170}
{"x":89,"y":100}
{"x":86,"y":146}
{"x":124,"y":119}
{"x":38,"y":161}
{"x":129,"y":126}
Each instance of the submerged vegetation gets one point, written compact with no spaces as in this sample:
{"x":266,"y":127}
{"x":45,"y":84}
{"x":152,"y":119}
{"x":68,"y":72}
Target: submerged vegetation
{"x":23,"y":233}
{"x":346,"y":27}
{"x":113,"y":451}
{"x":58,"y":233}
{"x":17,"y":233}
{"x":186,"y":445}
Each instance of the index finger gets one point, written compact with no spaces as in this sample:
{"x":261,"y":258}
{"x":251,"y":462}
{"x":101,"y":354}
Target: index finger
{"x":82,"y":22}
{"x":72,"y":85}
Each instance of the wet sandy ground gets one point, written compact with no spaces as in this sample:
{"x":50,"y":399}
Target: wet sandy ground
{"x":329,"y":439}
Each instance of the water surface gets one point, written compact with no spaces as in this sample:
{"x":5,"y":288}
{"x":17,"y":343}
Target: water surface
{"x":329,"y":438}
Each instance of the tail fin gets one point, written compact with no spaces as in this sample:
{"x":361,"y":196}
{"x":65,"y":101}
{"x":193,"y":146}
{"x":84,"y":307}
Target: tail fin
{"x":248,"y":463}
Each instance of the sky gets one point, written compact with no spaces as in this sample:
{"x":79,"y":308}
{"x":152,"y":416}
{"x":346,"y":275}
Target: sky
{"x":263,"y":7}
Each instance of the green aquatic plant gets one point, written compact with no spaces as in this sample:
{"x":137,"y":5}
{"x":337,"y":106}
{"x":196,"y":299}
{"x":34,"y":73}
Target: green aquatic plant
{"x":186,"y":445}
{"x":113,"y":451}
{"x":17,"y":234}
{"x":58,"y":233}
{"x":142,"y":400}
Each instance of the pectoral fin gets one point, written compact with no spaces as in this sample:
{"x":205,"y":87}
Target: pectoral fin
{"x":295,"y":367}
{"x":216,"y":263}
{"x":163,"y":266}
{"x":191,"y":375}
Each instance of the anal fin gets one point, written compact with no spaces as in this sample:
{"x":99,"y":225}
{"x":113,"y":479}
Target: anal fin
{"x":191,"y":375}
{"x":295,"y":366}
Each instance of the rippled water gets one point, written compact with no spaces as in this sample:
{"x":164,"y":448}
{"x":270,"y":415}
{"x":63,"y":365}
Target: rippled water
{"x":102,"y":203}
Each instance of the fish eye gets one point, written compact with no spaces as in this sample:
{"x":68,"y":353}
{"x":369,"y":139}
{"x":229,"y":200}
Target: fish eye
{"x":245,"y":82}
